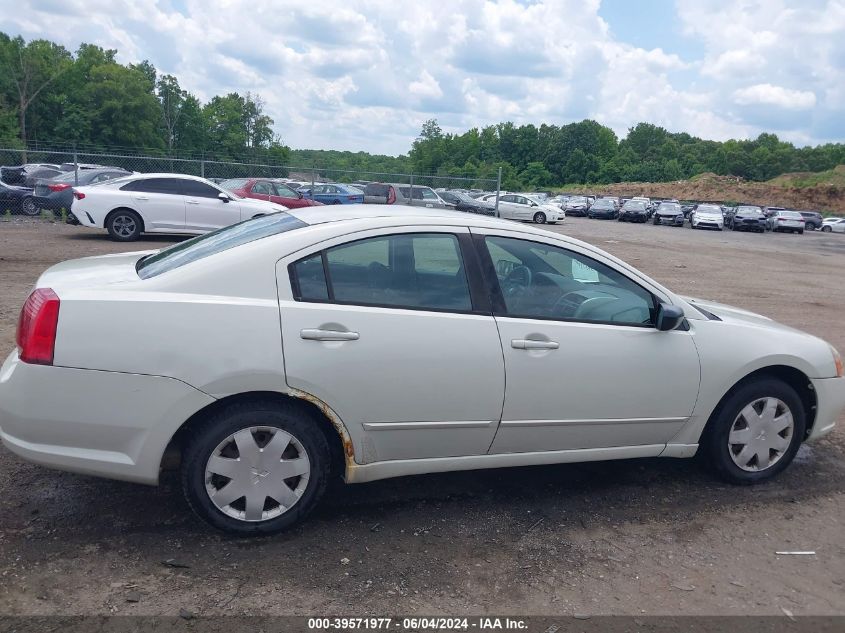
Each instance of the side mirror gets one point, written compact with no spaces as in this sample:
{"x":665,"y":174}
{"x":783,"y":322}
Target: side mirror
{"x":299,"y":193}
{"x":669,"y":317}
{"x":223,"y":197}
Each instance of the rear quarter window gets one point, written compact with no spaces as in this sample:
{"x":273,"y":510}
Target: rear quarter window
{"x":215,"y":242}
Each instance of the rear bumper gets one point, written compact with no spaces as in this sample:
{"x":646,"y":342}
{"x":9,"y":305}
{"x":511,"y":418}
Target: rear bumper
{"x":102,"y":423}
{"x":830,"y":399}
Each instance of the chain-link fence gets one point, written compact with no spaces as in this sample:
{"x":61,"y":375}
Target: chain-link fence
{"x":46,"y":164}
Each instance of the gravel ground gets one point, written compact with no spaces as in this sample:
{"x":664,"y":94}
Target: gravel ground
{"x":634,"y":537}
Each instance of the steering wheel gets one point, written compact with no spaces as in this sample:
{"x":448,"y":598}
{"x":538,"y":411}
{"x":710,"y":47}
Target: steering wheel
{"x":563,"y":302}
{"x":517,"y":281}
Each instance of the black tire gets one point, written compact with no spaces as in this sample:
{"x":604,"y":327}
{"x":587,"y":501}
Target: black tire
{"x":28,"y":207}
{"x":205,"y":437}
{"x":827,"y":229}
{"x":539,"y":218}
{"x":800,"y":231}
{"x":656,"y":221}
{"x":335,"y":201}
{"x":124,"y":225}
{"x":715,"y":438}
{"x":809,"y":226}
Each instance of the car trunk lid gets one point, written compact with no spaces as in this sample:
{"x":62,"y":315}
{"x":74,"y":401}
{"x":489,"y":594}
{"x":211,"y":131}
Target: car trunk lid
{"x":92,"y":271}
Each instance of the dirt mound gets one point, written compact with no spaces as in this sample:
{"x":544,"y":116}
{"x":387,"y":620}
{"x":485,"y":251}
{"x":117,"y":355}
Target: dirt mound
{"x":822,"y":191}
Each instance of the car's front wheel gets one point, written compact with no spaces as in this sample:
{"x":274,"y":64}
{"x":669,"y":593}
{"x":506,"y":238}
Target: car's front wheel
{"x":124,"y":225}
{"x":756,"y":431}
{"x":826,"y":229}
{"x":539,"y":218}
{"x":255,"y":468}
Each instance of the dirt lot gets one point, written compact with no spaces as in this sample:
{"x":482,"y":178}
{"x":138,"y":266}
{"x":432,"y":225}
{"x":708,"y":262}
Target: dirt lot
{"x":633,"y":537}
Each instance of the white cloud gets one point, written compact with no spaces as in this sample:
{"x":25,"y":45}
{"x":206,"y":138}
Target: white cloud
{"x":364,"y":74}
{"x":767,"y":94}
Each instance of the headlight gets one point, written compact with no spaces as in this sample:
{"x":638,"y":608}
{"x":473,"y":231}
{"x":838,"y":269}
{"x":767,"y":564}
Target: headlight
{"x":837,"y":361}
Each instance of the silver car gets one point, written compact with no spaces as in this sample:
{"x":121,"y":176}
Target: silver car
{"x":783,"y":221}
{"x":514,"y":206}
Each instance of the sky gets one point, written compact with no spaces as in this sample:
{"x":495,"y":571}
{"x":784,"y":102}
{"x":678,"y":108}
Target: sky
{"x":365,"y":74}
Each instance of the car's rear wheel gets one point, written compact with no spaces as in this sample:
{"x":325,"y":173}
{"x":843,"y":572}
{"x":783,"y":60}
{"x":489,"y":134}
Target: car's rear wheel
{"x":756,"y":431}
{"x":827,"y":229}
{"x":808,"y":226}
{"x":124,"y":225}
{"x":256,"y":467}
{"x":28,"y":206}
{"x":800,"y":231}
{"x":539,"y":218}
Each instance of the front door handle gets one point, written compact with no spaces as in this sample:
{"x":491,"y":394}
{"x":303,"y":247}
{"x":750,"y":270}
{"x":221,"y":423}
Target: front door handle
{"x":192,"y":201}
{"x":141,"y":197}
{"x":524,"y":343}
{"x":328,"y":335}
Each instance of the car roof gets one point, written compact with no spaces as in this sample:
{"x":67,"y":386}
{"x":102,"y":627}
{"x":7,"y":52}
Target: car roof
{"x":170,"y":175}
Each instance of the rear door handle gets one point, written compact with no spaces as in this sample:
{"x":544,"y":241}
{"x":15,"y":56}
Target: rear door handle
{"x":141,"y":198}
{"x":192,"y":201}
{"x":328,"y":335}
{"x":523,"y":343}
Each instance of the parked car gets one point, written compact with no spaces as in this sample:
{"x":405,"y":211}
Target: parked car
{"x":812,"y":220}
{"x":57,"y":193}
{"x":268,"y":189}
{"x":15,"y":199}
{"x":633,"y":211}
{"x":333,"y":193}
{"x":687,"y":206}
{"x":603,"y":208}
{"x":403,"y":193}
{"x":649,"y":206}
{"x":161,"y":203}
{"x":266,"y":347}
{"x":707,"y":216}
{"x":577,"y":205}
{"x":770,"y":211}
{"x":746,"y":218}
{"x":784,"y":220}
{"x":514,"y":206}
{"x":834,"y":225}
{"x":20,"y":174}
{"x":462,"y":202}
{"x":669,"y":213}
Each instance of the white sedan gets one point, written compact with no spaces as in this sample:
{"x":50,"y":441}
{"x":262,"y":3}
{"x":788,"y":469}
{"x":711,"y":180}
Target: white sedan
{"x":161,"y":203}
{"x":514,"y":206}
{"x":833,"y":225}
{"x":275,"y":353}
{"x":707,"y":216}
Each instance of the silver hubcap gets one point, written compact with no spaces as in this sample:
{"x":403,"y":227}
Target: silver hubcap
{"x":257,"y":473}
{"x":124,"y":225}
{"x":539,"y":218}
{"x":29,"y":207}
{"x":761,"y":434}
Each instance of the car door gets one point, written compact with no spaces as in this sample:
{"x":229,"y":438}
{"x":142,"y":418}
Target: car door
{"x":284,"y":195}
{"x":585,"y":366}
{"x":159,"y":201}
{"x":262,"y":190}
{"x":524,"y":208}
{"x":389,"y":331}
{"x":205,"y":210}
{"x":508,"y":208}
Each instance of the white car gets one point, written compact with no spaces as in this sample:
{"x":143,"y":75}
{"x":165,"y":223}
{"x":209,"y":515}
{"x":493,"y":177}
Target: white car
{"x":784,"y":220}
{"x":271,"y":354}
{"x":833,"y":225}
{"x":707,"y":216}
{"x":161,"y":203}
{"x":515,"y":206}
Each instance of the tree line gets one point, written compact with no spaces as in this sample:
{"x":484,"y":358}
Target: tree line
{"x":50,"y":96}
{"x":588,"y":152}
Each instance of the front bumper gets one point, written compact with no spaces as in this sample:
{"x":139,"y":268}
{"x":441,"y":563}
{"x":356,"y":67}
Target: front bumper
{"x":103,"y":423}
{"x":707,"y":224}
{"x":670,"y":219}
{"x":830,"y":402}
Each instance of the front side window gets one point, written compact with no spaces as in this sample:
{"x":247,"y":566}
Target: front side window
{"x":199,"y":189}
{"x":284,"y":191}
{"x":547,"y":282}
{"x":421,"y":271}
{"x":428,"y":194}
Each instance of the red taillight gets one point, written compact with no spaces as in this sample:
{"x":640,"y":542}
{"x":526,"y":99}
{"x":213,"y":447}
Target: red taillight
{"x":39,"y":318}
{"x":78,"y":194}
{"x":59,"y":187}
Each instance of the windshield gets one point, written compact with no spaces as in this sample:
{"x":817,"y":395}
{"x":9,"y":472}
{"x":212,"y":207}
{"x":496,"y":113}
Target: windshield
{"x":635,"y":205}
{"x":748,"y":210}
{"x":234,"y":183}
{"x":669,"y":207}
{"x":708,"y":208}
{"x":603,"y":204}
{"x":216,"y":242}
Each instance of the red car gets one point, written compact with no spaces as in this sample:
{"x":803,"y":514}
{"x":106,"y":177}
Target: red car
{"x":267,"y":189}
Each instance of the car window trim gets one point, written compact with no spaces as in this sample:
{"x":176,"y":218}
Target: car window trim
{"x":479,"y":297}
{"x":498,"y":299}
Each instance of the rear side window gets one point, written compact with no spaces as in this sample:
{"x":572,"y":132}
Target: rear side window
{"x":417,"y":271}
{"x":216,"y":242}
{"x":155,"y":185}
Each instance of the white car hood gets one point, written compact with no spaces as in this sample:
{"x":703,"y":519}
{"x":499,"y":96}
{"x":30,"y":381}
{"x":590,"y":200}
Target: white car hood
{"x":707,"y":215}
